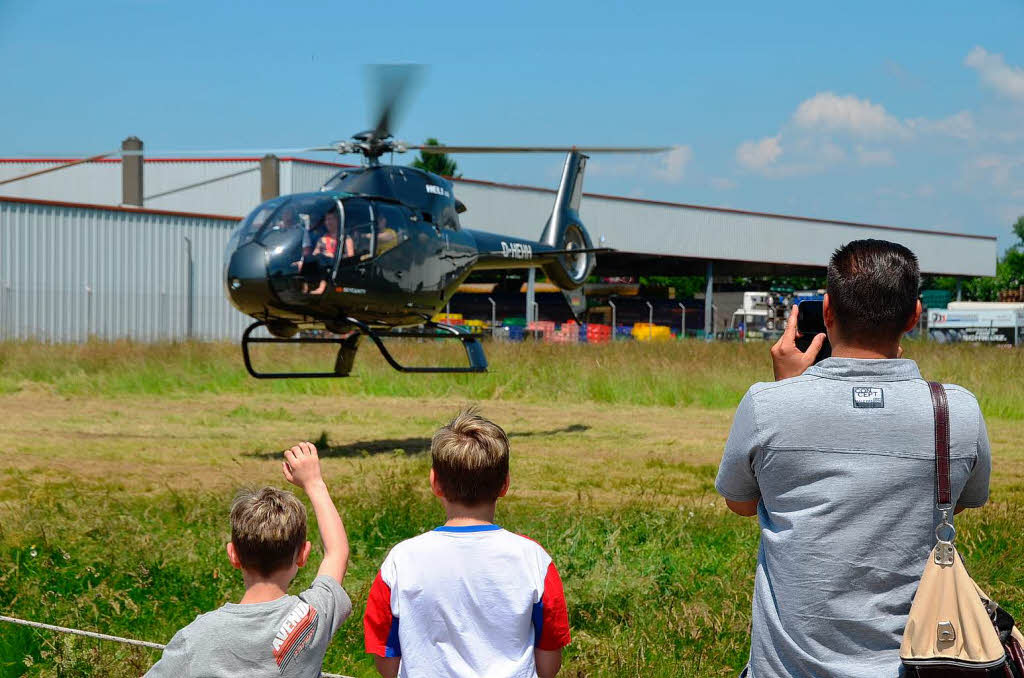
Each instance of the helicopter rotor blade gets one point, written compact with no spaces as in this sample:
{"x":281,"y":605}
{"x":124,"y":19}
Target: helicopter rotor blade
{"x":540,"y":149}
{"x":392,"y":86}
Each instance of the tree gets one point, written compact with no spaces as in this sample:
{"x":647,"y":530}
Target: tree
{"x":438,"y":163}
{"x":1018,"y":228}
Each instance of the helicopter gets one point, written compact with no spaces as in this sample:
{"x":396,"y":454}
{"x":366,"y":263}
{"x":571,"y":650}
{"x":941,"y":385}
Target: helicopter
{"x":379,"y":249}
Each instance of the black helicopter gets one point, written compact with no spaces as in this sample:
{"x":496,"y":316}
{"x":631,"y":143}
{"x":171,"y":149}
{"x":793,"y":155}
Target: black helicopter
{"x":380,"y":248}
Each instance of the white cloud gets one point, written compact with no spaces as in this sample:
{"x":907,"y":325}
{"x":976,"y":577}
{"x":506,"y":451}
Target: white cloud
{"x":998,"y":169}
{"x":757,"y":155}
{"x":959,"y":126}
{"x":996,"y":73}
{"x":673,"y":164}
{"x":828,"y":111}
{"x":668,"y":167}
{"x":875,"y":157}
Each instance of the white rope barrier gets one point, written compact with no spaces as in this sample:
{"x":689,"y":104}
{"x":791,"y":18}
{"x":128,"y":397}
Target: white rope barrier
{"x":103,"y":636}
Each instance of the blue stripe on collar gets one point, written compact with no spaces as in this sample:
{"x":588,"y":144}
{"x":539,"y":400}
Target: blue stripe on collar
{"x":467,"y":528}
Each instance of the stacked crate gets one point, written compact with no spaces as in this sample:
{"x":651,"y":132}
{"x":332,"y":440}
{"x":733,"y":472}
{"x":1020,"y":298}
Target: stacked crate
{"x":598,"y":334}
{"x":542,"y":329}
{"x":568,"y":333}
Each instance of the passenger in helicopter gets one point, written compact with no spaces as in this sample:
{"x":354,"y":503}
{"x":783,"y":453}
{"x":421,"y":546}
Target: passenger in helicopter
{"x":325,"y":251}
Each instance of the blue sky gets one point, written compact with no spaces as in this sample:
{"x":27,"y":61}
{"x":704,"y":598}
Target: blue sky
{"x":905,"y":114}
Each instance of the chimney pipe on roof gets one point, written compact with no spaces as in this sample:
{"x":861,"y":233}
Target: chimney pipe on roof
{"x":270,"y":177}
{"x":131,"y":172}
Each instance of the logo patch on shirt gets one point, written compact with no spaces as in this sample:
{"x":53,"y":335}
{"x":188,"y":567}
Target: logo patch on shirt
{"x":295,"y":633}
{"x":868,"y":396}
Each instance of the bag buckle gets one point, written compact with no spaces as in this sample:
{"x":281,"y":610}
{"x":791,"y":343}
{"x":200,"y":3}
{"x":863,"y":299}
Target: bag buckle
{"x":944,"y":548}
{"x":946,"y":633}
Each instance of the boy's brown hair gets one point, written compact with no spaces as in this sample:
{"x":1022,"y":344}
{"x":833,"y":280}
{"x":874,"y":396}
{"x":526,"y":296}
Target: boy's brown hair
{"x":268,"y":527}
{"x":470,"y":458}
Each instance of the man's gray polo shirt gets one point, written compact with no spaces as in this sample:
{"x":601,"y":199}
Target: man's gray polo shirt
{"x":842,"y":460}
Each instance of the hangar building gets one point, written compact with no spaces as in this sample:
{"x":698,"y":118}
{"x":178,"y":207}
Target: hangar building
{"x":109,"y":211}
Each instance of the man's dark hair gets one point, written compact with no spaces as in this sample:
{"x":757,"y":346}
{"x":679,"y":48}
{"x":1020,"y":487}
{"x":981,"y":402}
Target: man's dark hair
{"x":872,"y":288}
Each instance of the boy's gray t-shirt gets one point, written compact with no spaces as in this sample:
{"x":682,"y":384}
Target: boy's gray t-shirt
{"x":285,"y":637}
{"x":842,"y":459}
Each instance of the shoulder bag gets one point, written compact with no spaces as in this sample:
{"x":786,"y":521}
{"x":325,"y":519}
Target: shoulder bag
{"x":954,"y":630}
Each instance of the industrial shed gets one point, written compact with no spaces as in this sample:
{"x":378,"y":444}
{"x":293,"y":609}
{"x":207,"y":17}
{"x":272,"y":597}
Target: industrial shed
{"x":58,"y":294}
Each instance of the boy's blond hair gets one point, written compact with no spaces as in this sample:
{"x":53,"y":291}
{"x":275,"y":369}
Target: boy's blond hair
{"x":268,"y":527}
{"x":470,"y":458}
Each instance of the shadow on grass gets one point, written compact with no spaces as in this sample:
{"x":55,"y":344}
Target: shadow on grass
{"x":409,"y":446}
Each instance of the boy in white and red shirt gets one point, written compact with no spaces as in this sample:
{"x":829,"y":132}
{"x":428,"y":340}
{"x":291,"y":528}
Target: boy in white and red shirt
{"x":467,"y":598}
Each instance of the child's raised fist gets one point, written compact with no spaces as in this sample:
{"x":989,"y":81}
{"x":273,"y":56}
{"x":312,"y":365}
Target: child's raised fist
{"x":301,"y":465}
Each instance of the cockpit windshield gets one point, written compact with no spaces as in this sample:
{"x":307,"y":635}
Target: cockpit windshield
{"x":309,"y":237}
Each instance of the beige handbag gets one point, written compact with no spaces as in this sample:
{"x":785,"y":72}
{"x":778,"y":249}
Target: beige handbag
{"x":954,"y":629}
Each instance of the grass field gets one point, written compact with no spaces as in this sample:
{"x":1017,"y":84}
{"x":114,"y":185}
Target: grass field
{"x":120,"y":461}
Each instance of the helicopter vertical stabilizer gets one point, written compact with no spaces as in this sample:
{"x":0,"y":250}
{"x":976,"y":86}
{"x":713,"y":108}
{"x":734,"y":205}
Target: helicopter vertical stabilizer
{"x":564,"y":229}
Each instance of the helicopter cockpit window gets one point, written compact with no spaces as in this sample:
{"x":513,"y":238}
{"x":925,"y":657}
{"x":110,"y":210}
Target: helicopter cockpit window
{"x":390,"y":222}
{"x":357,"y":238}
{"x":302,"y":239}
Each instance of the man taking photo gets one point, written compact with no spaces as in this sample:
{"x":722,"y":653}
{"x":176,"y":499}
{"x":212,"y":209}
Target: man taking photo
{"x":837,"y":461}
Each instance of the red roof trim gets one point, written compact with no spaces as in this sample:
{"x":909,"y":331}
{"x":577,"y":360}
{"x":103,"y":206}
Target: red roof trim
{"x":519,"y":187}
{"x":117,"y":208}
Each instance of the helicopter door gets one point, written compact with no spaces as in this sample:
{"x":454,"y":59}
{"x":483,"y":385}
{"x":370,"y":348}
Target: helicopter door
{"x":357,"y":233}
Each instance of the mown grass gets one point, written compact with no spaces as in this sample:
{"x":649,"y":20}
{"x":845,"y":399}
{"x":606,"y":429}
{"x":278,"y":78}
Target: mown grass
{"x":670,"y":374}
{"x":120,"y":461}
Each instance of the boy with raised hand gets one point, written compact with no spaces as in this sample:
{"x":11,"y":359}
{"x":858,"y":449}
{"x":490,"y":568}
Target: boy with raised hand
{"x":467,"y":598}
{"x":270,"y":633}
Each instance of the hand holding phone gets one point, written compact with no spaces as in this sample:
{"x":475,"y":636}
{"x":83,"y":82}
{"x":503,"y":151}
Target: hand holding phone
{"x":810,"y":323}
{"x":790,"y":359}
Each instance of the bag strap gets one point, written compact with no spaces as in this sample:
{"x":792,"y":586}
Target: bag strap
{"x":943,"y":495}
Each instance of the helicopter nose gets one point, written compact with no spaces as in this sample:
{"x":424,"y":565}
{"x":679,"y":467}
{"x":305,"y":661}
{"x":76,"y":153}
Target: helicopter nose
{"x":247,"y":279}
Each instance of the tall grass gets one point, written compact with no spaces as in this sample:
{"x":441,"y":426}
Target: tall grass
{"x":653,"y":589}
{"x":678,"y":373}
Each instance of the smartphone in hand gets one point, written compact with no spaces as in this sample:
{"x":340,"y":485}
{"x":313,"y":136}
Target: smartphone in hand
{"x":810,"y":323}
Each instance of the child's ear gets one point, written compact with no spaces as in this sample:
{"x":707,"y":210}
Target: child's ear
{"x":435,"y":486}
{"x":303,"y":554}
{"x":504,"y":488}
{"x":233,"y":556}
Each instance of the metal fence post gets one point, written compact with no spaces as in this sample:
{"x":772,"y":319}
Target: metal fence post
{"x":494,"y":315}
{"x":189,"y":288}
{"x":7,"y":333}
{"x":88,"y":312}
{"x":163,"y":330}
{"x":650,"y":320}
{"x":614,"y":333}
{"x":682,"y":320}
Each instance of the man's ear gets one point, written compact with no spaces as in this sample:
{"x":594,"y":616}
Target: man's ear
{"x":504,"y":488}
{"x":303,"y":554}
{"x":233,"y":556}
{"x":435,"y":485}
{"x":915,"y":318}
{"x":828,"y":314}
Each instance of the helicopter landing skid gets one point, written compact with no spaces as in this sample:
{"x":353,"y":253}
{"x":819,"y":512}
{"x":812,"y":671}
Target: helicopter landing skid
{"x":347,"y":347}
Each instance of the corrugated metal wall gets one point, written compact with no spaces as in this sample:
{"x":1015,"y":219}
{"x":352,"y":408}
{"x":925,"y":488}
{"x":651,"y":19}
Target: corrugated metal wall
{"x":301,"y":177}
{"x":67,"y":273}
{"x":232,"y":187}
{"x":699,"y":233}
{"x":97,"y":183}
{"x":228,"y":187}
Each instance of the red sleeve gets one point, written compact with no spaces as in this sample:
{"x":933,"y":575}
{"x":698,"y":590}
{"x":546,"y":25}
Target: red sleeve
{"x":553,"y":631}
{"x":380,"y":627}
